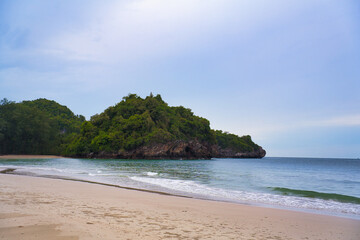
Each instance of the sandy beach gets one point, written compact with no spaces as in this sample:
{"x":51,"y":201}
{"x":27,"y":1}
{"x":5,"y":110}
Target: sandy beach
{"x":41,"y":208}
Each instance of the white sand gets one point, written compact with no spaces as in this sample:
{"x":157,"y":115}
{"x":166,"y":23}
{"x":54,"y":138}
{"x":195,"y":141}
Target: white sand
{"x":40,"y":208}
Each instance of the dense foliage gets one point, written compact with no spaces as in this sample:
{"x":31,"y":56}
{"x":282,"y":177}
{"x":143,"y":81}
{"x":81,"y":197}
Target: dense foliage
{"x":36,"y":127}
{"x":135,"y":122}
{"x":231,"y":141}
{"x":46,"y":127}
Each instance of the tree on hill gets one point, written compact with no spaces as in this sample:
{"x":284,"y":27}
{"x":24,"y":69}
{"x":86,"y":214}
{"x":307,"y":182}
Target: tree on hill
{"x":231,"y":141}
{"x":132,"y":126}
{"x":135,"y":122}
{"x":36,"y":127}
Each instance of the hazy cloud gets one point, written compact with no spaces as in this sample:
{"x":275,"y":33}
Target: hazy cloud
{"x":250,"y":67}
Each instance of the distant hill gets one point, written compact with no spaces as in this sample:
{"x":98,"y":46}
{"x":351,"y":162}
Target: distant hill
{"x":134,"y":128}
{"x":149,"y":128}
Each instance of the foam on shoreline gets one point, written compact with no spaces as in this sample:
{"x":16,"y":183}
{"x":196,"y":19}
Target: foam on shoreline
{"x":92,"y":211}
{"x":188,"y":189}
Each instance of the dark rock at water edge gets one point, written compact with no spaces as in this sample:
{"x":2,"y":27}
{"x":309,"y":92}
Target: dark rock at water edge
{"x":229,"y":153}
{"x":178,"y":149}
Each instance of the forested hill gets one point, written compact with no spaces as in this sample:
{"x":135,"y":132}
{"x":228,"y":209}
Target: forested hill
{"x":133,"y":128}
{"x":36,"y":127}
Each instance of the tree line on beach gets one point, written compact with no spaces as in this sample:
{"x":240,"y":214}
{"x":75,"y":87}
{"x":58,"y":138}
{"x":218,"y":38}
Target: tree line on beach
{"x":36,"y":127}
{"x":45,"y":127}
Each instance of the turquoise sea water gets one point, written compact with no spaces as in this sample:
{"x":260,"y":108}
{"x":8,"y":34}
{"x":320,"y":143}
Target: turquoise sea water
{"x":323,"y":185}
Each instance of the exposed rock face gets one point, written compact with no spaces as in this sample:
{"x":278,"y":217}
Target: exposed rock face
{"x":229,"y":153}
{"x":173,"y":150}
{"x":179,"y":149}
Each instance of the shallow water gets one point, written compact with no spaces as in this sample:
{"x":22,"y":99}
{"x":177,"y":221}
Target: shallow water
{"x":323,"y":185}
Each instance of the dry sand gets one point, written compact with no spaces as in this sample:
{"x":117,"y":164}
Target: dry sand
{"x":40,"y":208}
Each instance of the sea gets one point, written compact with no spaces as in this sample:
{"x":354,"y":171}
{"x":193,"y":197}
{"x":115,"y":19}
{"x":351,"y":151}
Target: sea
{"x":319,"y":185}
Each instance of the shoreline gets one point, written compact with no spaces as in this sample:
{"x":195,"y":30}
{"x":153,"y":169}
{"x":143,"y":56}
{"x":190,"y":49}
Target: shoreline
{"x":324,"y":203}
{"x":80,"y":210}
{"x":10,"y":171}
{"x":19,"y":156}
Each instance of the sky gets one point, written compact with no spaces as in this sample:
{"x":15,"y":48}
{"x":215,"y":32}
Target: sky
{"x":285,"y":72}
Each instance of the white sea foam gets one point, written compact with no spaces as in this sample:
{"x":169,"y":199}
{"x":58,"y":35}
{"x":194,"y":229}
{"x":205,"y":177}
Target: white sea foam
{"x":38,"y":170}
{"x":33,"y":169}
{"x":151,"y":173}
{"x":99,"y":174}
{"x":193,"y":188}
{"x":151,"y":178}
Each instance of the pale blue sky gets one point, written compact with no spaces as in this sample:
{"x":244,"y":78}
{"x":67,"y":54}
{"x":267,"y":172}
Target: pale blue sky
{"x":285,"y":72}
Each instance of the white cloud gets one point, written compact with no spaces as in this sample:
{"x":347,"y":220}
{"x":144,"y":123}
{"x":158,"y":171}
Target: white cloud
{"x":135,"y":30}
{"x":105,"y":46}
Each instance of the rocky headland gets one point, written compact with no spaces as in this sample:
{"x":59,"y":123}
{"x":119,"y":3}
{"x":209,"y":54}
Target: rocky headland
{"x":134,"y":128}
{"x":177,"y":150}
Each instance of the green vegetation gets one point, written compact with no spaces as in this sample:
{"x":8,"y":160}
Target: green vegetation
{"x":46,"y":127}
{"x":231,"y":141}
{"x":36,"y":127}
{"x":135,"y":122}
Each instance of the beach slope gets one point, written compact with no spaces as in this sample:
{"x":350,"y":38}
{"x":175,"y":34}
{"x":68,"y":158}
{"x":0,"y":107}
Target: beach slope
{"x":41,"y":208}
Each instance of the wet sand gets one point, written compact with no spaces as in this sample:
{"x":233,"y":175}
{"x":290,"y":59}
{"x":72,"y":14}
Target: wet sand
{"x":41,"y":208}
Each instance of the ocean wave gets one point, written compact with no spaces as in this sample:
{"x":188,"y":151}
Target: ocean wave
{"x":320,"y":195}
{"x":33,"y":168}
{"x":192,"y":188}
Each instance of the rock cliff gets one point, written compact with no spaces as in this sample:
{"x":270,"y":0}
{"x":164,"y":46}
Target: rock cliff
{"x":179,"y":149}
{"x":229,"y":153}
{"x":148,"y":128}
